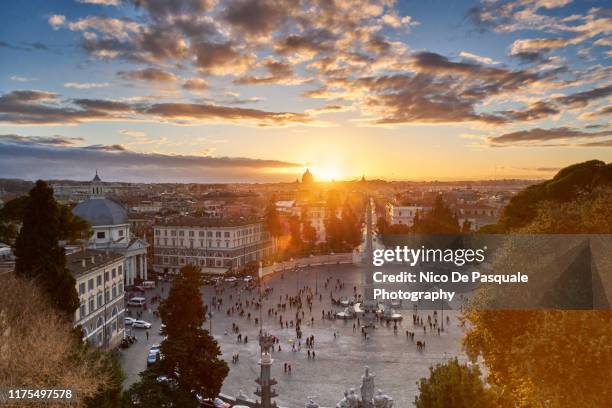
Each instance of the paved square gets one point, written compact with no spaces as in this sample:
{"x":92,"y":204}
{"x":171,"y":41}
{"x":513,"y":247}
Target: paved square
{"x":340,"y":359}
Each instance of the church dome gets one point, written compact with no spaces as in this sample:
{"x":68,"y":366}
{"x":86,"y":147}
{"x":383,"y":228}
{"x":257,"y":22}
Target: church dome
{"x":307,"y":177}
{"x":101,"y":211}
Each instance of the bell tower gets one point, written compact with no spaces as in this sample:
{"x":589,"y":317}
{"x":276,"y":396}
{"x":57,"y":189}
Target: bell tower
{"x":96,"y":188}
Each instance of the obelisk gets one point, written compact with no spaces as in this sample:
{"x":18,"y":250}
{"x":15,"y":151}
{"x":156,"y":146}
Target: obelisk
{"x":369,"y":304}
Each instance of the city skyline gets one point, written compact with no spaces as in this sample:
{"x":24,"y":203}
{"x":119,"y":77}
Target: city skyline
{"x":257,"y":91}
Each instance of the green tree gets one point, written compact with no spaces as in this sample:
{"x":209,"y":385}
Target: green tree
{"x":333,"y":225}
{"x":333,"y":231}
{"x":272,"y":219}
{"x":155,"y":390}
{"x":439,"y":220}
{"x":568,"y":185}
{"x":39,"y":255}
{"x":381,"y":225}
{"x":545,"y":358}
{"x":309,"y":234}
{"x":351,"y":226}
{"x":590,"y":213}
{"x":454,"y":385}
{"x":191,"y":354}
{"x":11,"y":215}
{"x":295,"y":233}
{"x":71,"y":227}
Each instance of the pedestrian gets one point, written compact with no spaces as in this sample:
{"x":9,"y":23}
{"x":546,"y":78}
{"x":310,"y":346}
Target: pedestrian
{"x":147,"y":334}
{"x":313,"y":354}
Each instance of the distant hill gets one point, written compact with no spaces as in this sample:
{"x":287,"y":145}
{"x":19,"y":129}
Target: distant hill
{"x":568,"y":185}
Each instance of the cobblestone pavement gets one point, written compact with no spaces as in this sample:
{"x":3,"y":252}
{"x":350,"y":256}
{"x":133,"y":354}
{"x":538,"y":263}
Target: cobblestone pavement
{"x":340,"y":360}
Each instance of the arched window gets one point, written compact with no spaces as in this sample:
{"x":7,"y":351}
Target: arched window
{"x":100,"y":322}
{"x":114,"y":312}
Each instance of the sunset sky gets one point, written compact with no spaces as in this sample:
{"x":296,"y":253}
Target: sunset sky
{"x":257,"y":90}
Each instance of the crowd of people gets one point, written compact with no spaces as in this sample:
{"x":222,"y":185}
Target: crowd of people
{"x":294,"y":315}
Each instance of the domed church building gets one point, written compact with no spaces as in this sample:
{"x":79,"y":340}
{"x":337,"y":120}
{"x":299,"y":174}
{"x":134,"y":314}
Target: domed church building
{"x":307,"y":177}
{"x":111,"y":231}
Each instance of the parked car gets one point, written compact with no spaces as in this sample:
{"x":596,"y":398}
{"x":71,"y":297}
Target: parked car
{"x":137,"y":301}
{"x":154,"y":349}
{"x":248,"y":278}
{"x":151,"y":359}
{"x":162,"y":328}
{"x":219,"y":403}
{"x":141,"y":324}
{"x":128,"y":321}
{"x":231,"y":279}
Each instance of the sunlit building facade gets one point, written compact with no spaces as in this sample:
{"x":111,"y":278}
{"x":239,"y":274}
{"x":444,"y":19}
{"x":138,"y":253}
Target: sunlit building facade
{"x":215,"y":245}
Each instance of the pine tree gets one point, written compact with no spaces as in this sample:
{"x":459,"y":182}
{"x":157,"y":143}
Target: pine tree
{"x":191,"y":354}
{"x":39,"y":255}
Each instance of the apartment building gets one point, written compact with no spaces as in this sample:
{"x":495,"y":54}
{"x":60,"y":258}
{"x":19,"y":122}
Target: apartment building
{"x":403,"y":214}
{"x":216,"y":245}
{"x":99,"y":283}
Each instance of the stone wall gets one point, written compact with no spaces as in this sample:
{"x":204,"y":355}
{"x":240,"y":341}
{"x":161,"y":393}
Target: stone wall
{"x":316,"y":260}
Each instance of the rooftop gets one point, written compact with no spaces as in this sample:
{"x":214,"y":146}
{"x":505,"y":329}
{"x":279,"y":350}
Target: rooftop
{"x":209,"y":222}
{"x":82,"y":262}
{"x":101,"y":211}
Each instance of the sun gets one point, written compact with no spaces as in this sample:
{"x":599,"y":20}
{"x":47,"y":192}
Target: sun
{"x":327,"y":173}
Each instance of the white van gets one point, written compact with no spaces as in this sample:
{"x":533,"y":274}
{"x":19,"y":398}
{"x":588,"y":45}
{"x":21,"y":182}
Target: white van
{"x":148,"y":284}
{"x":137,"y":301}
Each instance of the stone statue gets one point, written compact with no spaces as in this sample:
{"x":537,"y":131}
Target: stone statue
{"x":350,"y":400}
{"x":367,"y":388}
{"x":353,"y":399}
{"x":382,"y":401}
{"x":343,"y":402}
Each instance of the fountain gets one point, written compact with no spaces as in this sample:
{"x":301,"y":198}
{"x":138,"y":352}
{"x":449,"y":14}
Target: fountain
{"x":368,"y":398}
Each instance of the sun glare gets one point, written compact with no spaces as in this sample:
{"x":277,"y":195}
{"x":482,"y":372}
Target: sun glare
{"x":326,"y":173}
